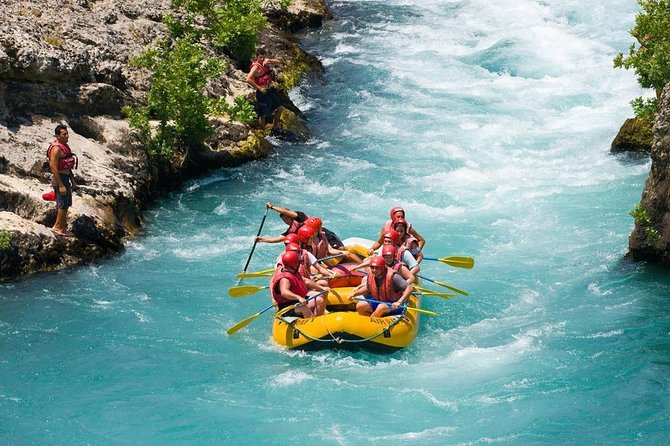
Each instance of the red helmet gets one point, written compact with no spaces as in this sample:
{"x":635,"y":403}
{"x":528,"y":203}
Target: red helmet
{"x":314,"y":223}
{"x":393,"y":235}
{"x":290,"y":258}
{"x":291,"y":238}
{"x":293,"y":247}
{"x":305,"y":232}
{"x":388,"y":250}
{"x":397,"y":209}
{"x":378,"y":261}
{"x":401,"y":221}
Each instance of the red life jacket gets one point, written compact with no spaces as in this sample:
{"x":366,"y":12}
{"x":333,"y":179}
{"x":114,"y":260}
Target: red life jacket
{"x":265,"y":74}
{"x":385,"y":293}
{"x":293,"y":228}
{"x":298,"y":286}
{"x":407,"y":240}
{"x":295,"y":225}
{"x":320,"y":247}
{"x":67,"y":160}
{"x":400,"y":250}
{"x":396,"y":266}
{"x":304,"y":267}
{"x":388,"y":227}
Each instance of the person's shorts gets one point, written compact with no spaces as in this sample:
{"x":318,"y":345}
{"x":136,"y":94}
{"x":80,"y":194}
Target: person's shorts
{"x":268,"y":102}
{"x":63,"y":201}
{"x":374,"y":306}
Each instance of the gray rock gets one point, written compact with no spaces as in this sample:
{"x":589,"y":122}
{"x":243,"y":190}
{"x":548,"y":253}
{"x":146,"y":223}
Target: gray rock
{"x":76,"y":70}
{"x":642,"y":244}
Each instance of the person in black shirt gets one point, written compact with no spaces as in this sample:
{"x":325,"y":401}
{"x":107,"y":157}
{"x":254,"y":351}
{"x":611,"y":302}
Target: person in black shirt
{"x":294,"y":220}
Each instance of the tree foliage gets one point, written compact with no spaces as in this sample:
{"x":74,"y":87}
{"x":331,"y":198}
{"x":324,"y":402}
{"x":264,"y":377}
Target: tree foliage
{"x":180,"y":71}
{"x":232,"y":24}
{"x":181,"y":66}
{"x":650,"y":57}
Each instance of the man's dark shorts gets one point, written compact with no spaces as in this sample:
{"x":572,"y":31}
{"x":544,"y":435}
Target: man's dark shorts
{"x":268,"y":102}
{"x":374,"y":306}
{"x":63,"y":201}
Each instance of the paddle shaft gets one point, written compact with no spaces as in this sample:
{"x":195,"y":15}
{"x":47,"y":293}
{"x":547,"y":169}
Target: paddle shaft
{"x":243,"y":323}
{"x":260,"y":228}
{"x":418,"y":310}
{"x":456,"y":261}
{"x":452,"y":288}
{"x":291,"y":307}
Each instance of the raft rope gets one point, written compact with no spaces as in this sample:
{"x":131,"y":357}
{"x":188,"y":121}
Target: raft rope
{"x":340,"y":341}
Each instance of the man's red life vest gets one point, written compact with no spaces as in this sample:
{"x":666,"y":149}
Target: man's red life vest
{"x":407,"y":240}
{"x":67,"y":160}
{"x":400,"y":250}
{"x":298,"y":286}
{"x":294,"y":226}
{"x":389,"y":226}
{"x":385,"y":293}
{"x":305,"y":268}
{"x":265,"y":74}
{"x":396,"y":265}
{"x":320,"y":247}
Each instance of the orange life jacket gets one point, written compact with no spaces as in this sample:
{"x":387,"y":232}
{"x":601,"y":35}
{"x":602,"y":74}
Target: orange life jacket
{"x":385,"y":293}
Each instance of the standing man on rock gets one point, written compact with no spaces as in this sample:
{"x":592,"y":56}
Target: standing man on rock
{"x":268,"y":101}
{"x":61,"y":163}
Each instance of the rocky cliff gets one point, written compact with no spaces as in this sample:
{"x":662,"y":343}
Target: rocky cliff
{"x":650,"y":240}
{"x":67,"y":62}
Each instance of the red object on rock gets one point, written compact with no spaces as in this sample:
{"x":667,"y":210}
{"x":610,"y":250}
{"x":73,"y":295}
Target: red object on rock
{"x":49,"y":196}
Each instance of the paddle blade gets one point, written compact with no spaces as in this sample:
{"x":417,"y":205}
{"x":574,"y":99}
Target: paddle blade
{"x":452,"y":288}
{"x":264,"y":273}
{"x":245,"y":290}
{"x":458,"y":262}
{"x":240,"y":325}
{"x":422,"y":311}
{"x":433,"y":293}
{"x":427,"y":292}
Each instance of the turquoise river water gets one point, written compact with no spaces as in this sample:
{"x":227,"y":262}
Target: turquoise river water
{"x":490,"y":122}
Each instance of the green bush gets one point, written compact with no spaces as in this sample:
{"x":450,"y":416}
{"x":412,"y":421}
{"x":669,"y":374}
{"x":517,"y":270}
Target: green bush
{"x":176,"y":99}
{"x":645,"y":109}
{"x":651,"y":57}
{"x":241,"y":111}
{"x":181,"y":68}
{"x":5,"y":240}
{"x":642,"y":218}
{"x":231,"y":25}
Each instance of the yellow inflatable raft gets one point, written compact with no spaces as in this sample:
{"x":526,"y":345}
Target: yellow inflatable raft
{"x":342,"y":326}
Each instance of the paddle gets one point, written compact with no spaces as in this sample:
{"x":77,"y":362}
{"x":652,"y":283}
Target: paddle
{"x":245,"y":290}
{"x":455,"y":261}
{"x":268,"y":272}
{"x":452,"y":288}
{"x":243,"y":323}
{"x":425,"y":292}
{"x":260,"y":228}
{"x":291,"y":307}
{"x":418,"y":310}
{"x":323,"y":259}
{"x":264,"y":273}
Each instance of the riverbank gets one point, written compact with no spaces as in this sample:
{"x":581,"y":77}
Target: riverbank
{"x":77,"y":72}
